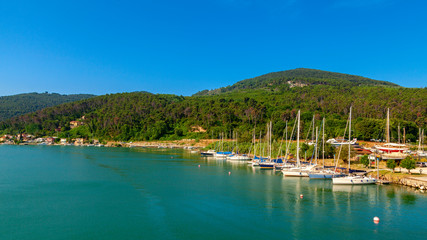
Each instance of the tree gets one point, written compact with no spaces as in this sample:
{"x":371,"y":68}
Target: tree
{"x":329,"y":150}
{"x":408,"y":163}
{"x":391,"y":164}
{"x":344,"y":152}
{"x":364,"y":160}
{"x":303,"y":149}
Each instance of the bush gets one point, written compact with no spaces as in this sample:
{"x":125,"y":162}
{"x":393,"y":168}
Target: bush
{"x":408,"y":163}
{"x":364,"y":160}
{"x":344,"y":152}
{"x":391,"y":164}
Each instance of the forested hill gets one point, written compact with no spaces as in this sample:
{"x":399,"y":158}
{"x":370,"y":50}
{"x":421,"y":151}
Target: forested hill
{"x":143,"y":116}
{"x":15,"y":105}
{"x":300,"y":77}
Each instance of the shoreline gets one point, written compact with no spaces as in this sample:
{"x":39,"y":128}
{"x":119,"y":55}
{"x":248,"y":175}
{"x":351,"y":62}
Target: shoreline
{"x":414,"y":180}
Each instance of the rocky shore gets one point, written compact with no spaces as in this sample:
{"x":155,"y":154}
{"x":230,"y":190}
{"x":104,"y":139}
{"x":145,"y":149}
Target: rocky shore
{"x":415,"y":181}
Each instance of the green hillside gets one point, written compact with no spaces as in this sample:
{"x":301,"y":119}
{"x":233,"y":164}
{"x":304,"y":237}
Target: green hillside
{"x":15,"y":105}
{"x":300,"y":77}
{"x":143,"y":116}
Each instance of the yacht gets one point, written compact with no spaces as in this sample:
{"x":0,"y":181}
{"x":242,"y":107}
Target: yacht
{"x":352,"y":180}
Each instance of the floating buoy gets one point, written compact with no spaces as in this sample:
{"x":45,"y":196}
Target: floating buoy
{"x":301,"y":196}
{"x":199,"y":165}
{"x":229,"y":173}
{"x":376,"y":220}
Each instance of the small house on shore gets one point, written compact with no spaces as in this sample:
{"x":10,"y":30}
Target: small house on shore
{"x":50,"y":140}
{"x":79,"y":141}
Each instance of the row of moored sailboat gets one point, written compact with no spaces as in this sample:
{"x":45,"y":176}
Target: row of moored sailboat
{"x":299,"y":169}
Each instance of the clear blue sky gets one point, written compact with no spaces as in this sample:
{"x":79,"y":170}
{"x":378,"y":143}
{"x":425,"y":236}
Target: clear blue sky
{"x":182,"y":47}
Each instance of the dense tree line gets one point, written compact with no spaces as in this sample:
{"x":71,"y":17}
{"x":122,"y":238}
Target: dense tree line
{"x":144,"y":116}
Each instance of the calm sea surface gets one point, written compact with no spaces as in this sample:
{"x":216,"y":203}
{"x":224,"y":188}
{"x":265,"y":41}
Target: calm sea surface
{"x":53,"y":192}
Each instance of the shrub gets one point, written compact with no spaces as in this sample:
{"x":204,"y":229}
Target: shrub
{"x":408,"y":163}
{"x":391,"y":164}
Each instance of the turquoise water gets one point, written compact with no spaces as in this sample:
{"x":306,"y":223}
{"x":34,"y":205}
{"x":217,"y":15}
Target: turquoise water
{"x":53,"y":192}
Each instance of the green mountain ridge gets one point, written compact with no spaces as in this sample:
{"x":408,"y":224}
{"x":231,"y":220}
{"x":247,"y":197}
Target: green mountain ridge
{"x":300,"y":77}
{"x":15,"y":105}
{"x":145,"y":116}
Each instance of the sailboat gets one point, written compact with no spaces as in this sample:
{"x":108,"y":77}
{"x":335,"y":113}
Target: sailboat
{"x":285,"y":164}
{"x":269,"y":163}
{"x":221,"y":154}
{"x":237,"y":156}
{"x":257,"y":159}
{"x":324,"y":173}
{"x":298,"y":171}
{"x":352,"y":180}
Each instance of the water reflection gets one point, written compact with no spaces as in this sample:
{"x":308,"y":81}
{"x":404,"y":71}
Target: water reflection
{"x":408,"y":199}
{"x":349,"y":188}
{"x":391,"y":193}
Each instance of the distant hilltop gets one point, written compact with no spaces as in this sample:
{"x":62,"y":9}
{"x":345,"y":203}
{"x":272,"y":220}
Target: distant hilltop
{"x":15,"y":105}
{"x":300,"y":77}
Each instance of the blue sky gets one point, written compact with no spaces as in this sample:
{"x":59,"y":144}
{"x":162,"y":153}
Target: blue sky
{"x":182,"y":47}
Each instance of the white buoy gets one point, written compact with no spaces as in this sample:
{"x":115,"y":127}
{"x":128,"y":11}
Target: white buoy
{"x":199,"y":165}
{"x":376,"y":220}
{"x":229,"y":173}
{"x":301,"y":196}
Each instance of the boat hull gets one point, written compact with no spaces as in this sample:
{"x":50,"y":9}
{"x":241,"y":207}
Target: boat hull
{"x":294,"y":174}
{"x":392,"y":150}
{"x":238,"y":158}
{"x":205,"y":154}
{"x":266,"y":165}
{"x":324,"y":175}
{"x":353,"y":181}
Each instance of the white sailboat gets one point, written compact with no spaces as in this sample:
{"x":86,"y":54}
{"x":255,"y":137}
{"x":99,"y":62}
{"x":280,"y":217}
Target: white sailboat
{"x":298,"y":171}
{"x":285,"y":164}
{"x":256,"y":159}
{"x":237,"y":156}
{"x":352,"y":180}
{"x":269,"y":163}
{"x":324,"y":173}
{"x":221,"y":154}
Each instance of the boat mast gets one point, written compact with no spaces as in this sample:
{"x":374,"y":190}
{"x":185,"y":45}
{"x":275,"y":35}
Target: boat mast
{"x":237,"y":143}
{"x":260,"y":145}
{"x":388,"y":126}
{"x":266,"y":141}
{"x":315,"y":148}
{"x":254,"y":144}
{"x":286,"y":139}
{"x":404,"y":136}
{"x":349,"y":137}
{"x":323,"y":143}
{"x":222,"y":142}
{"x":398,"y":133}
{"x":270,"y":139}
{"x":312,"y":134}
{"x":298,"y":120}
{"x":422,"y":140}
